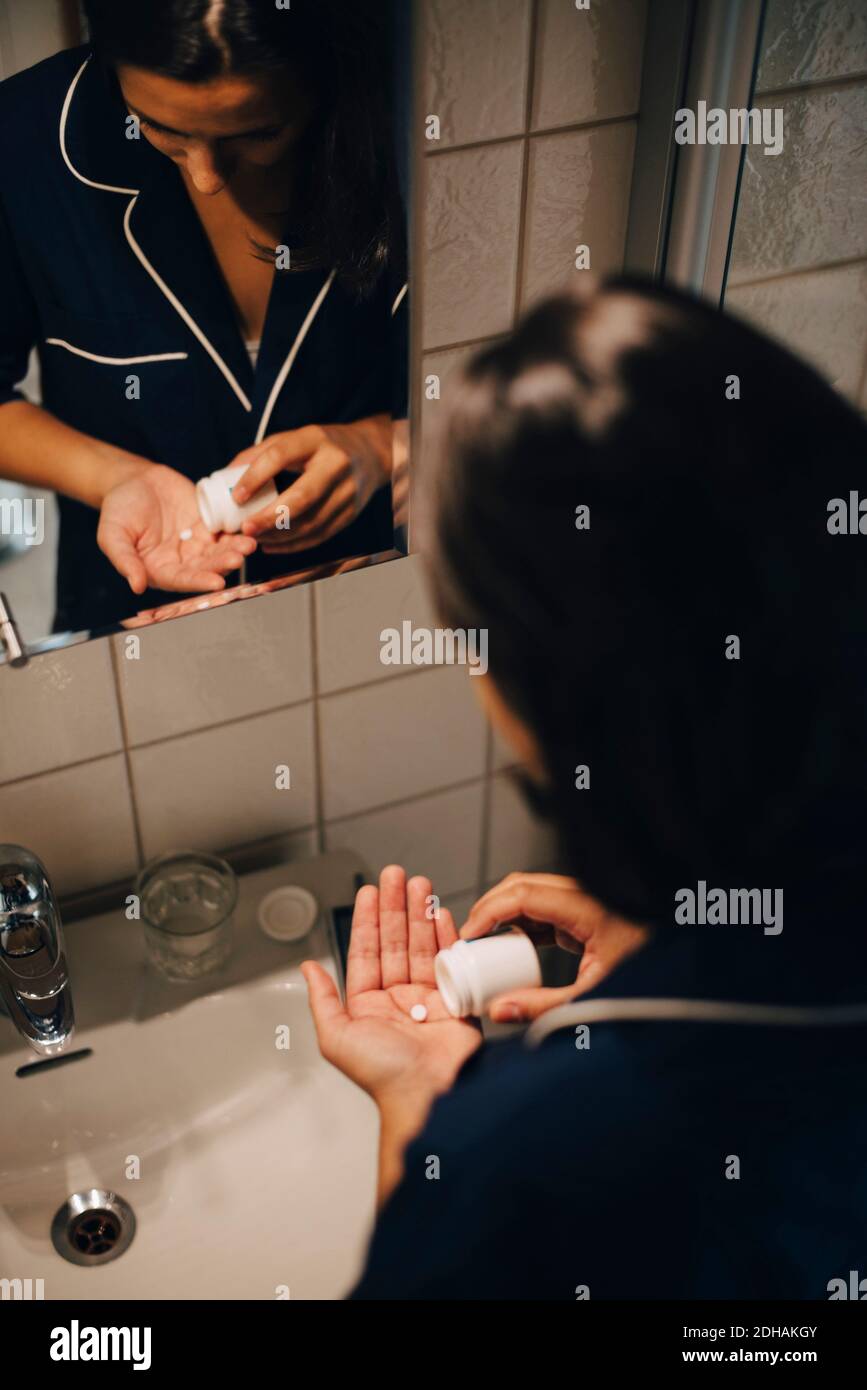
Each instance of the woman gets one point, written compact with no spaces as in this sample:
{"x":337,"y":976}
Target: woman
{"x":201,"y":232}
{"x":694,"y":1127}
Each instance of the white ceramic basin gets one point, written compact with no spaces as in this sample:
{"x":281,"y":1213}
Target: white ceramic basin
{"x":257,"y":1164}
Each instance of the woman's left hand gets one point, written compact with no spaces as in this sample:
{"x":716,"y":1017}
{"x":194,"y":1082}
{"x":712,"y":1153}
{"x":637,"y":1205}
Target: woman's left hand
{"x":341,"y":467}
{"x":371,"y":1038}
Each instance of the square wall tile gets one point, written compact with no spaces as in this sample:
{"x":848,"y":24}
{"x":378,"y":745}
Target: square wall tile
{"x":805,"y":206}
{"x":223,"y":664}
{"x":399,"y":740}
{"x":472,"y":217}
{"x":79,"y":822}
{"x":578,"y":195}
{"x":217,"y":789}
{"x":811,"y":40}
{"x":353,"y":609}
{"x":469,"y":48}
{"x":821,"y":315}
{"x":439,"y":836}
{"x":60,"y":708}
{"x":517,"y":840}
{"x":588,"y":62}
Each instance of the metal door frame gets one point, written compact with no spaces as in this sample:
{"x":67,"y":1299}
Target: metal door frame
{"x":684,"y":197}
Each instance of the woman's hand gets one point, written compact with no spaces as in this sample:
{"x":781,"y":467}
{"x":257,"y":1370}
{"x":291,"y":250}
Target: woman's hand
{"x":341,"y":467}
{"x":140,"y":527}
{"x":371,"y":1038}
{"x":552,"y":908}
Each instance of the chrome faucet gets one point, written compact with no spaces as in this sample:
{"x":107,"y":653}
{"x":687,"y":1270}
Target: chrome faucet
{"x":34,"y":981}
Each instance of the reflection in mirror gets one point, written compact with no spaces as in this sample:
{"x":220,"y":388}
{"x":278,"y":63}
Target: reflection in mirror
{"x":798,"y":263}
{"x":203,"y":342}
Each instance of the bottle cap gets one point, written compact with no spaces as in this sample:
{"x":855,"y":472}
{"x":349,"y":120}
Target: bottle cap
{"x":288,"y":913}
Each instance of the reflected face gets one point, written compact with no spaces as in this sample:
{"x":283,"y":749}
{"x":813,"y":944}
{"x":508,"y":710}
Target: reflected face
{"x":220,"y":131}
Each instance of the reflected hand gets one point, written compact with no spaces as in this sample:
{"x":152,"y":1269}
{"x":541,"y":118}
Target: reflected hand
{"x":371,"y":1038}
{"x":341,"y":467}
{"x":140,"y":529}
{"x":552,"y":908}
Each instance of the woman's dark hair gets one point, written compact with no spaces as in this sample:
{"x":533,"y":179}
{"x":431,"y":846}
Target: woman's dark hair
{"x":353,"y":215}
{"x":707,"y":456}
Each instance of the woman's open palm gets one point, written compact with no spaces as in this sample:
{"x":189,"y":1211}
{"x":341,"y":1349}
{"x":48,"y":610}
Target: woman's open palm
{"x":151,"y":531}
{"x":372,"y":1038}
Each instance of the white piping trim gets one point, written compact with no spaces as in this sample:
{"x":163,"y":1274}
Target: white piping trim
{"x":118,"y":361}
{"x":290,"y":360}
{"x":106,"y":187}
{"x":694,"y":1011}
{"x":134,"y":194}
{"x":400,"y":298}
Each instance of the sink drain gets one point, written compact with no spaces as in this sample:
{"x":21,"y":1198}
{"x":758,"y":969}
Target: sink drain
{"x":92,"y":1228}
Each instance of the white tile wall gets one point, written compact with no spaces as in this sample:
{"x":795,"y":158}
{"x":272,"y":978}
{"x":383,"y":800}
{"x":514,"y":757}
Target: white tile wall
{"x":811,"y":41}
{"x":468,"y":88}
{"x":805,"y":206}
{"x":799,"y":253}
{"x":79,"y":820}
{"x":588,"y":62}
{"x":437,"y":835}
{"x":578,"y":196}
{"x":217,"y":788}
{"x":821,"y":314}
{"x":352,"y":610}
{"x":60,"y":709}
{"x":472,"y":218}
{"x":400,"y":739}
{"x":395,"y":765}
{"x":225,"y":664}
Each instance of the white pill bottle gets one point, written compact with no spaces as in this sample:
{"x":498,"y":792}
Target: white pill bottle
{"x":218,"y":508}
{"x":470,"y":974}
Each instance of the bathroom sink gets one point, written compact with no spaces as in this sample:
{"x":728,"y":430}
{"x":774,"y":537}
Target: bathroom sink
{"x":256,"y":1162}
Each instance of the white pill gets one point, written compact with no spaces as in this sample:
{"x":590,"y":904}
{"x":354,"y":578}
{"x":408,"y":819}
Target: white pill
{"x":418,"y":1012}
{"x":186,"y":535}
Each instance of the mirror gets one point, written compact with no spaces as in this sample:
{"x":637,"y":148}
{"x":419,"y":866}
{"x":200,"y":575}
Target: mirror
{"x":203,"y":255}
